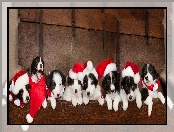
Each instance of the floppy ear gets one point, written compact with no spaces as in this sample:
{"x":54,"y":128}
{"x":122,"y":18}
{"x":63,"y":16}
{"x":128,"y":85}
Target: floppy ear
{"x":33,"y":68}
{"x":104,"y":83}
{"x":28,"y":86}
{"x":48,"y":80}
{"x":69,"y":80}
{"x":63,"y":78}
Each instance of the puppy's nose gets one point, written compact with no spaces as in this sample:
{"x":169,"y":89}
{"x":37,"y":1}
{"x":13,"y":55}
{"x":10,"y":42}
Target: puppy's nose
{"x":88,"y":93}
{"x":58,"y":95}
{"x":75,"y":90}
{"x":146,"y":77}
{"x":130,"y":97}
{"x":27,"y":98}
{"x":112,"y":91}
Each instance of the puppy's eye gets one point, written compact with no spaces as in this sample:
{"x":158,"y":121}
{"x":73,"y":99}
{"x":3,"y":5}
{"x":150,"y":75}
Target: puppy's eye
{"x":60,"y":84}
{"x":92,"y":83}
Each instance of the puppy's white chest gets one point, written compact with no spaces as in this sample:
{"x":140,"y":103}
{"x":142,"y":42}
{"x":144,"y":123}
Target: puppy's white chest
{"x":112,"y":95}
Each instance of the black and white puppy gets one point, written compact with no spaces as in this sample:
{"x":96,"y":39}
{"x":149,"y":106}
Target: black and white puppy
{"x":37,"y":71}
{"x":91,"y":89}
{"x":111,"y":86}
{"x":129,"y":85}
{"x":55,"y":82}
{"x":19,"y":88}
{"x":73,"y":91}
{"x":150,"y":85}
{"x":130,"y":92}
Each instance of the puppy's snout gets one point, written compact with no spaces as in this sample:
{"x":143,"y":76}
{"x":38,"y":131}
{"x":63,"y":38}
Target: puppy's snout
{"x":75,"y":90}
{"x":58,"y":95}
{"x":112,"y":91}
{"x":40,"y":65}
{"x":27,"y":98}
{"x":88,"y":93}
{"x":130,"y":97}
{"x":146,"y":77}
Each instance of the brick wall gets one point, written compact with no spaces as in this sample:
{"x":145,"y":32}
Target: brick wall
{"x":71,"y":35}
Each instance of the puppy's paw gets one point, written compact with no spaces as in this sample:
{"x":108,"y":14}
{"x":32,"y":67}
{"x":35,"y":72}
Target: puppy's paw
{"x":85,"y":100}
{"x":125,"y":106}
{"x":139,"y":104}
{"x":101,"y":101}
{"x":10,"y":97}
{"x":74,"y":102}
{"x":163,"y":100}
{"x":115,"y":107}
{"x":53,"y":104}
{"x":109,"y":106}
{"x":79,"y":101}
{"x":44,"y":104}
{"x":149,"y":112}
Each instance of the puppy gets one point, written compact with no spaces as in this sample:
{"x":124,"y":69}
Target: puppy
{"x":73,"y":91}
{"x":91,"y":89}
{"x":129,"y":85}
{"x":55,"y":83}
{"x":130,"y":92}
{"x":111,"y":86}
{"x":19,"y":88}
{"x":150,"y":85}
{"x":37,"y":72}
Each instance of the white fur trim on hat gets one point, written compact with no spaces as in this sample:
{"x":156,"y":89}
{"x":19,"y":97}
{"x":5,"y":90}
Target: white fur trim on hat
{"x":93,"y":71}
{"x":20,"y":82}
{"x":72,"y":74}
{"x":137,"y":78}
{"x":29,"y":118}
{"x":110,"y":67}
{"x":129,"y":72}
{"x":80,"y":76}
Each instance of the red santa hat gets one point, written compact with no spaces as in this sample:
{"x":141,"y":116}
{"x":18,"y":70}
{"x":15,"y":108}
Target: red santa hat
{"x":19,"y":80}
{"x":131,"y":69}
{"x":77,"y":71}
{"x":37,"y":95}
{"x":105,"y":67}
{"x":88,"y":68}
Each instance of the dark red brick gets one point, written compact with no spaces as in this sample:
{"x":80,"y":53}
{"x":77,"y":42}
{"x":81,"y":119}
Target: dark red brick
{"x":57,"y":49}
{"x":57,"y":16}
{"x":132,"y":48}
{"x":89,"y":18}
{"x":28,"y":39}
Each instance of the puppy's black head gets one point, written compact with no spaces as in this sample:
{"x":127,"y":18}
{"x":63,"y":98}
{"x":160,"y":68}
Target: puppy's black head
{"x":111,"y":82}
{"x":89,"y":79}
{"x":23,"y":94}
{"x":149,"y":74}
{"x":90,"y":83}
{"x":55,"y":81}
{"x":129,"y":87}
{"x":128,"y":84}
{"x":37,"y":65}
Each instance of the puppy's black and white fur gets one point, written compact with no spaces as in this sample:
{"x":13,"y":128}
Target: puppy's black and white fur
{"x":111,"y":86}
{"x":23,"y":94}
{"x":91,"y":89}
{"x":73,"y":91}
{"x":37,"y":71}
{"x":129,"y":92}
{"x":55,"y":82}
{"x":150,"y":76}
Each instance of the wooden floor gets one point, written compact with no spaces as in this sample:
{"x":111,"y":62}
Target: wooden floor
{"x":92,"y":113}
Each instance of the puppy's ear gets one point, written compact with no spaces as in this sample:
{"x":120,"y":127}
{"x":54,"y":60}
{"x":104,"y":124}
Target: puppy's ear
{"x":48,"y":80}
{"x":69,"y":80}
{"x":104,"y":83}
{"x":28,"y":86}
{"x":118,"y":77}
{"x":63,"y":78}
